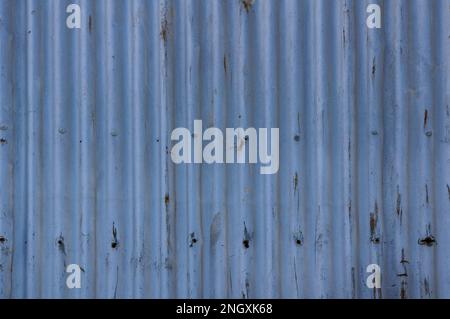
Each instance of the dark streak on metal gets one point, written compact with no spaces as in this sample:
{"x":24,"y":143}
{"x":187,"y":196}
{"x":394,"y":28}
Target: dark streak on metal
{"x":399,"y":209}
{"x":193,"y":240}
{"x":403,"y":290}
{"x":426,"y":287}
{"x":296,"y":279}
{"x":166,"y":199}
{"x":117,"y":283}
{"x":164,"y":33}
{"x":374,"y":68}
{"x":343,"y":36}
{"x":298,"y":238}
{"x":373,"y":225}
{"x":403,"y":262}
{"x":247,"y":286}
{"x":230,"y":281}
{"x":428,"y":241}
{"x":115,"y":242}
{"x":353,"y":283}
{"x":225,"y":63}
{"x":350,"y":209}
{"x":246,"y":240}
{"x":215,"y":229}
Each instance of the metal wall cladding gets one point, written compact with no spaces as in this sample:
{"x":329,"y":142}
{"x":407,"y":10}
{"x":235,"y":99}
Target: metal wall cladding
{"x":86,"y":175}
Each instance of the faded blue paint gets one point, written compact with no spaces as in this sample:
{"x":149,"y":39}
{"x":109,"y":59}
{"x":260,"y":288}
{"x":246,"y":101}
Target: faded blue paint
{"x":85,"y":122}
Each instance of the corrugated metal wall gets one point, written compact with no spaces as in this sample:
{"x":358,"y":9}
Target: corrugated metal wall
{"x":86,"y":175}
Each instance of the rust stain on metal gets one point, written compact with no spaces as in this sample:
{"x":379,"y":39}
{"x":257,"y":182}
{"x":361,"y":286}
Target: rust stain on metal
{"x":246,"y":240}
{"x":164,"y":29}
{"x":247,"y":4}
{"x":373,"y":225}
{"x":115,"y":242}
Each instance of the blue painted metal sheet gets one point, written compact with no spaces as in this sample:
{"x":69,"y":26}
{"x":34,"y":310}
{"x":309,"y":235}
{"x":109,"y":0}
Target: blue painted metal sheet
{"x":86,"y":175}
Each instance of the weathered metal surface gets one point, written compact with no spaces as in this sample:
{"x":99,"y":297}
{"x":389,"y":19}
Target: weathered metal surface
{"x":86,"y":175}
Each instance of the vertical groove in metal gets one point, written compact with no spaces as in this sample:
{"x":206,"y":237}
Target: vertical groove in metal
{"x":86,"y":177}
